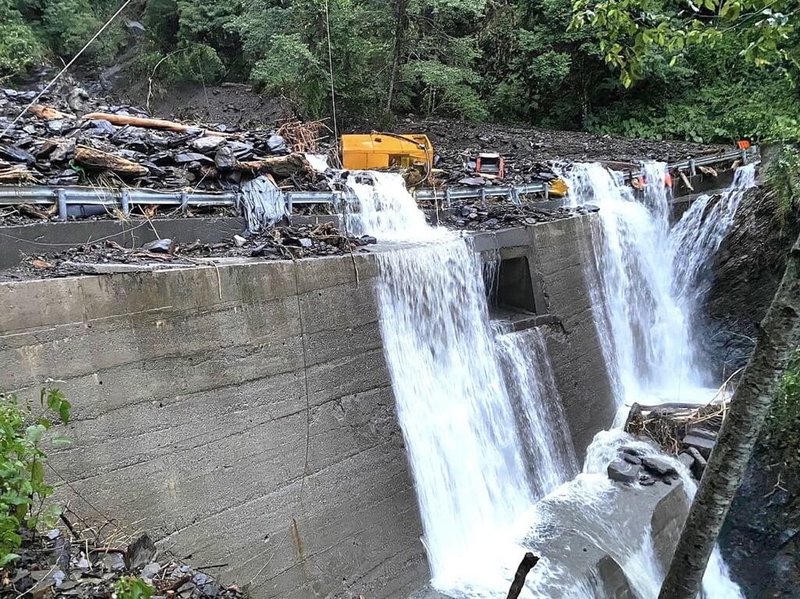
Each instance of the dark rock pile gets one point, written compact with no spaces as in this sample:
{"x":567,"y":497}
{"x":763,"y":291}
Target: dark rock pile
{"x":57,"y":565}
{"x":633,"y":466}
{"x":108,"y":257}
{"x":71,"y":138}
{"x":501,"y":215}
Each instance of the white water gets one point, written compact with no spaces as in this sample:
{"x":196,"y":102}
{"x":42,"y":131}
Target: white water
{"x":697,"y":236}
{"x":643,"y":329}
{"x":458,"y":414}
{"x":546,"y":442}
{"x":646,"y":288}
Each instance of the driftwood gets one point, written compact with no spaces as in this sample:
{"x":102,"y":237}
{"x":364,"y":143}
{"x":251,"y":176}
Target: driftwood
{"x":135,"y":121}
{"x":528,"y":562}
{"x":278,"y":166}
{"x":48,"y":112}
{"x":98,"y":159}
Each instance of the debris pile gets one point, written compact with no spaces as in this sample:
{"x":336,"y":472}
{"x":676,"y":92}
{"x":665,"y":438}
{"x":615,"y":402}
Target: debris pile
{"x":109,"y":257}
{"x":71,"y":139}
{"x":57,"y":565}
{"x":633,"y":466}
{"x":497,"y":215}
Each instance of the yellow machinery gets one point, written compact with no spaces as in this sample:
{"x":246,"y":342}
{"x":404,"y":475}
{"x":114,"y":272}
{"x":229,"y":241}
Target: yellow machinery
{"x":557,"y":188}
{"x":376,"y":151}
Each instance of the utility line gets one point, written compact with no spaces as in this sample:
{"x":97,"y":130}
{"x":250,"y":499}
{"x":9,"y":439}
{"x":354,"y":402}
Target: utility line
{"x":67,"y":66}
{"x":330,"y":70}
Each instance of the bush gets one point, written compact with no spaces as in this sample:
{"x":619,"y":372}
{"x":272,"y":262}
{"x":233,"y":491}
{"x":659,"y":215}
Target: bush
{"x":22,"y":482}
{"x":19,"y":48}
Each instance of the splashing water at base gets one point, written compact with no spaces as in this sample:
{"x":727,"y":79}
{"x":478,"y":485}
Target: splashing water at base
{"x":648,"y":346}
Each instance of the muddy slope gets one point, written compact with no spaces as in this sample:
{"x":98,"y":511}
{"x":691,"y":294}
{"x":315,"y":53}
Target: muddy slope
{"x":760,"y":538}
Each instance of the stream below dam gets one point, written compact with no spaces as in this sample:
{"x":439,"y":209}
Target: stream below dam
{"x":492,"y":459}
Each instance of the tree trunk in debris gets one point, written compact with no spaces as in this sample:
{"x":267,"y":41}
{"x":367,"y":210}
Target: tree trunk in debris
{"x":778,"y":339}
{"x":278,"y":166}
{"x":528,"y":562}
{"x":400,"y":21}
{"x":97,"y":159}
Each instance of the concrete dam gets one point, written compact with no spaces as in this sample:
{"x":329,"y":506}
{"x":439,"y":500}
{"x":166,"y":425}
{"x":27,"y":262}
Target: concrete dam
{"x":402,"y":422}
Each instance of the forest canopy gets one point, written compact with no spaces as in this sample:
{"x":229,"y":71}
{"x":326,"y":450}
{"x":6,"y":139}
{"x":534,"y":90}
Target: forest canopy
{"x":714,"y":70}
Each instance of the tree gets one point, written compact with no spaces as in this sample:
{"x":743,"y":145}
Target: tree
{"x":630,"y":30}
{"x":777,"y":343}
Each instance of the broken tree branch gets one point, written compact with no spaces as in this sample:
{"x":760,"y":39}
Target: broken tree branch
{"x":135,"y":121}
{"x":528,"y":562}
{"x":97,"y":159}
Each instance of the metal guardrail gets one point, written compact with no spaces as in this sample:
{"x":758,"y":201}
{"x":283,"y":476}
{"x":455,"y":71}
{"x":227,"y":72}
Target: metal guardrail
{"x":126,"y":198}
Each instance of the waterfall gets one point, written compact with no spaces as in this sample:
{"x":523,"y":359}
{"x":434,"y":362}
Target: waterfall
{"x":644,"y":276}
{"x":546,"y":442}
{"x":459,"y":415}
{"x":643,"y":330}
{"x":697,"y":236}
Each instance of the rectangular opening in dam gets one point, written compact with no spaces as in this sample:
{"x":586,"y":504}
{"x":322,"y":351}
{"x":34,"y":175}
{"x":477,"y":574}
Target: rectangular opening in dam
{"x":514,"y":285}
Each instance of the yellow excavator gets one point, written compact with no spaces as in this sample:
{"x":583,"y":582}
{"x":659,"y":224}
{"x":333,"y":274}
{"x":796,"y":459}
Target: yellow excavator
{"x":380,"y":151}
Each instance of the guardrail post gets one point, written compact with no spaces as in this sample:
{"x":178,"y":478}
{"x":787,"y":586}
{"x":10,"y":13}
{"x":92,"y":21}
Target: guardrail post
{"x":126,"y":202}
{"x":692,"y":167}
{"x":447,"y":196}
{"x":744,"y":156}
{"x":62,"y":205}
{"x":184,"y":202}
{"x":483,"y":197}
{"x":515,"y":196}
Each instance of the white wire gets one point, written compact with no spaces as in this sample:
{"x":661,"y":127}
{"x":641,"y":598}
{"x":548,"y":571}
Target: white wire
{"x":330,"y":69}
{"x":68,"y":65}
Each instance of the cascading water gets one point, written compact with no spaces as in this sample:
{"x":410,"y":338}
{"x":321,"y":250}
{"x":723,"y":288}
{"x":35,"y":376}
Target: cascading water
{"x":530,"y":381}
{"x":644,"y":332}
{"x":453,"y":403}
{"x":645,"y":280}
{"x":697,"y":236}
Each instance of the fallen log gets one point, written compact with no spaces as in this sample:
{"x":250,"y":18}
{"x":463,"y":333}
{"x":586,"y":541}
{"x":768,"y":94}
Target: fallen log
{"x":97,"y":159}
{"x":528,"y":562}
{"x":135,"y":121}
{"x":278,"y":166}
{"x":48,"y":112}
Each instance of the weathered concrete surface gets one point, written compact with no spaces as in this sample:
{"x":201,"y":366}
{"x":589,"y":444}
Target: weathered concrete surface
{"x":243,"y":415}
{"x":558,"y":253}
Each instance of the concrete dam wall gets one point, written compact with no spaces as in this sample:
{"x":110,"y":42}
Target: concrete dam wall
{"x":244,"y":413}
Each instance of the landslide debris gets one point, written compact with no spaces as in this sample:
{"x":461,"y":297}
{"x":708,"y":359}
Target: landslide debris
{"x":109,"y":257}
{"x":58,"y":564}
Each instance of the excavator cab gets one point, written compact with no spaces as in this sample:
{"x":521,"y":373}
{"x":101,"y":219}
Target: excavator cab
{"x":381,"y":151}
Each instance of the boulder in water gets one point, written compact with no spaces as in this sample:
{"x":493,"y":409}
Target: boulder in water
{"x":623,"y":472}
{"x":658,"y":466}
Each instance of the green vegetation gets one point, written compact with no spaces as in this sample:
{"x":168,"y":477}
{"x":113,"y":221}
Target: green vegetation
{"x":712,"y":70}
{"x":783,"y":424}
{"x":22,"y":479}
{"x":783,"y":178}
{"x":132,"y":587}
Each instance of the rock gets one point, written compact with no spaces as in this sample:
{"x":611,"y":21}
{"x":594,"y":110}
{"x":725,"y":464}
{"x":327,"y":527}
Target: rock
{"x":206,"y":586}
{"x":209,"y":143}
{"x":277,"y":144}
{"x":702,"y":432}
{"x":631,"y":451}
{"x":77,"y":100}
{"x":113,"y":562}
{"x":188,"y":157}
{"x":699,"y":463}
{"x":702,"y":444}
{"x":101,"y":127}
{"x":140,"y":553}
{"x":632,"y":459}
{"x":622,"y":471}
{"x":224,"y":159}
{"x":306,"y":243}
{"x":368,"y":239}
{"x":659,"y":466}
{"x":16,"y":154}
{"x":646,"y":481}
{"x":151,"y":570}
{"x":239,"y":241}
{"x":160,"y":246}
